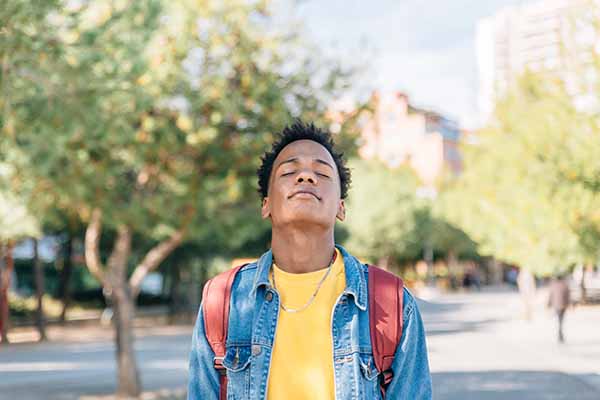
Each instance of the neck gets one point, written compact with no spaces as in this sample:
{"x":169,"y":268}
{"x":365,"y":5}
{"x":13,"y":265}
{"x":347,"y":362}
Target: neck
{"x":300,"y":251}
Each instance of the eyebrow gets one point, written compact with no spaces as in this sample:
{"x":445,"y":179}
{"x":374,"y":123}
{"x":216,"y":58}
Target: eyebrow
{"x":295,"y":160}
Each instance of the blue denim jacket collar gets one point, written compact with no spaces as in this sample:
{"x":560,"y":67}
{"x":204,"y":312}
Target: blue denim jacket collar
{"x":356,"y":284}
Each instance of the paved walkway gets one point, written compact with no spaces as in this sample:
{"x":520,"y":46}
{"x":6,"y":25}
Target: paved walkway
{"x":83,"y":367}
{"x":481,"y":348}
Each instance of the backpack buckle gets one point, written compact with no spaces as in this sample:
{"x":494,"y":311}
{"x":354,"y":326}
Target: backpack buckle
{"x":218,"y":364}
{"x":385,"y":378}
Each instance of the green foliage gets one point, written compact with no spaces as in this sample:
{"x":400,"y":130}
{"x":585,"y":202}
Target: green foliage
{"x":15,"y":220}
{"x":380,"y":211}
{"x":27,"y":306}
{"x":386,"y":218}
{"x":524,"y":196}
{"x":444,"y":237}
{"x":155,"y":112}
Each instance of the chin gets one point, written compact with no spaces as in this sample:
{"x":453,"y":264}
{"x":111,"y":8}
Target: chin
{"x":306,"y":216}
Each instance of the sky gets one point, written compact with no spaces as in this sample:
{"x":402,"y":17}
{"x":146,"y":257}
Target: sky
{"x":425,"y":48}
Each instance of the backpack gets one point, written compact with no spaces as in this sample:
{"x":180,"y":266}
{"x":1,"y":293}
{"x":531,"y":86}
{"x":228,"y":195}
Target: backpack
{"x":385,"y":320}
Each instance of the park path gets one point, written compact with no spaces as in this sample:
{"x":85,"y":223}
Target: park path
{"x":480,"y":348}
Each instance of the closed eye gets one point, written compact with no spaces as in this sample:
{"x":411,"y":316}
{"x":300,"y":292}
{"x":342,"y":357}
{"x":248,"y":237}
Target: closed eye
{"x":288,"y":173}
{"x":323,"y":175}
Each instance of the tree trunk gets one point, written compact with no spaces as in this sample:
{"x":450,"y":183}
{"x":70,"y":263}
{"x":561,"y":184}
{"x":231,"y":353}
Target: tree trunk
{"x":174,"y":294}
{"x":123,"y":292}
{"x":128,"y":376}
{"x":39,"y":290}
{"x":582,"y":285}
{"x":452,"y":262}
{"x":6,"y":268}
{"x":526,"y":284}
{"x":123,"y":308}
{"x":428,"y":257}
{"x":496,"y":271}
{"x":65,"y":277}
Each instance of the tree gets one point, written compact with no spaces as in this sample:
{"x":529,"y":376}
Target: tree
{"x":521,"y":196}
{"x":388,"y":222}
{"x":147,"y":119}
{"x":531,"y":189}
{"x":383,"y":229}
{"x":39,"y":290}
{"x":15,"y":223}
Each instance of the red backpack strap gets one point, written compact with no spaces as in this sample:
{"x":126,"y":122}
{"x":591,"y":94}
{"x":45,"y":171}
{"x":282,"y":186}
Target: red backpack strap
{"x":215,"y":309}
{"x":385,"y":319}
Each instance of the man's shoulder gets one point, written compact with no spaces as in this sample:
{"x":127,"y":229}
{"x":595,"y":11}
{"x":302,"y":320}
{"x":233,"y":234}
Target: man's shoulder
{"x":409,"y":304}
{"x":241,"y":273}
{"x":240,"y":269}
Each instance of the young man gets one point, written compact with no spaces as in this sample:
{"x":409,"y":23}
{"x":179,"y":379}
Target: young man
{"x":298,"y":319}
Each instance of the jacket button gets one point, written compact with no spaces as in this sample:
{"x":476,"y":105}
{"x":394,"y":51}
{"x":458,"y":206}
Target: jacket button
{"x":269,"y":296}
{"x":256,"y":349}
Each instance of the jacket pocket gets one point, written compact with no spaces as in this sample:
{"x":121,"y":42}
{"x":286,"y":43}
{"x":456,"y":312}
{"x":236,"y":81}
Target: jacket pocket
{"x":237,"y":363}
{"x":367,"y":366}
{"x":369,"y":387}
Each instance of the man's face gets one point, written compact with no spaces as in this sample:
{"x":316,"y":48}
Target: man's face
{"x":304,"y":187}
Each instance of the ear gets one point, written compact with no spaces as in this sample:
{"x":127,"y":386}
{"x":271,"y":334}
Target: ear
{"x":341,"y":213}
{"x":265,"y":210}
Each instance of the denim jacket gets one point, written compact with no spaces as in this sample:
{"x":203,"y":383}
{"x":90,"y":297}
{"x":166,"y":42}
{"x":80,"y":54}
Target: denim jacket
{"x":254,"y":309}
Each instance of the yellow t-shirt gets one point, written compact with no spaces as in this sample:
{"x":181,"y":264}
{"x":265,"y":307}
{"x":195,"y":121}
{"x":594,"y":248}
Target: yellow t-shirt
{"x":302,"y":359}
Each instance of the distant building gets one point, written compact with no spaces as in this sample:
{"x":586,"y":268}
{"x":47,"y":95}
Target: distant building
{"x":399,"y":133}
{"x":535,"y":36}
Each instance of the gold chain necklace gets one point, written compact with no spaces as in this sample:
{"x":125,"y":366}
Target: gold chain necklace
{"x":314,"y":295}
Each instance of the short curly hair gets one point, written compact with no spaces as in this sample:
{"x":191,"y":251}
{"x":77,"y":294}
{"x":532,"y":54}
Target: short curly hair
{"x":302,"y":131}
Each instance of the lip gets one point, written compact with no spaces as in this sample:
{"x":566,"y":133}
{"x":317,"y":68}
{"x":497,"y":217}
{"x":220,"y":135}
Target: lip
{"x":305,"y":191}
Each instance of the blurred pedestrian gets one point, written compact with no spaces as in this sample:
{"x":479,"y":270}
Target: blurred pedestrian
{"x":477,"y":278}
{"x":467,"y":280}
{"x":527,"y":286}
{"x":558,"y":300}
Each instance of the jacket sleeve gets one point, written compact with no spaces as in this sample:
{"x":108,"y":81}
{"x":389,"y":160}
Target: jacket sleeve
{"x":412,"y":379}
{"x":203,"y":382}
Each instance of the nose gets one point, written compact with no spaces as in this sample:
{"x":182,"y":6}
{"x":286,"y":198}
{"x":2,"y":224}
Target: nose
{"x":306,"y":176}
